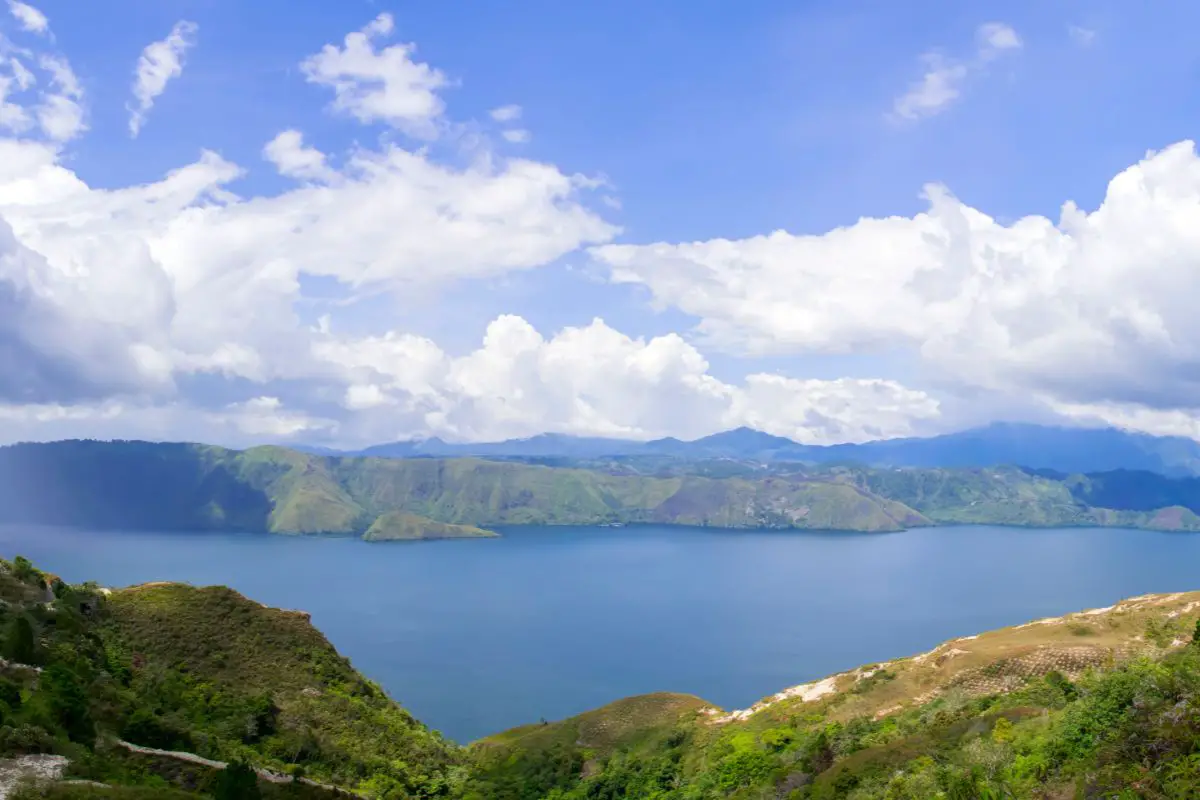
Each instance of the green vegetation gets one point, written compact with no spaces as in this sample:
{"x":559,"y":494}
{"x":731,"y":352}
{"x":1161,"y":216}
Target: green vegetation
{"x":181,"y":486}
{"x":398,"y":525}
{"x":1013,"y":496}
{"x":1026,"y":712}
{"x":205,"y":672}
{"x":169,"y":691}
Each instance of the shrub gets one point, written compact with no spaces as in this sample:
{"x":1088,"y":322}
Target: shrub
{"x":237,"y":781}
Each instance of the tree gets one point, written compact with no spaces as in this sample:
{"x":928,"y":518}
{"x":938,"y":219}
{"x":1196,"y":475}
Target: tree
{"x":19,"y":644}
{"x":237,"y":781}
{"x":1196,"y":633}
{"x":68,"y":699}
{"x":23,"y":569}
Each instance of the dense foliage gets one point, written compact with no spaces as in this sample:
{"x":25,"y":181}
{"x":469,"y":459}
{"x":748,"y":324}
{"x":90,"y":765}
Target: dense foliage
{"x":207,"y":672}
{"x":1128,"y":732}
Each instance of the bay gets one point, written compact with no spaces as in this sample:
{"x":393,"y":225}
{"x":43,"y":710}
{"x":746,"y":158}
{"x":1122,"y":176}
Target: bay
{"x":475,"y":636}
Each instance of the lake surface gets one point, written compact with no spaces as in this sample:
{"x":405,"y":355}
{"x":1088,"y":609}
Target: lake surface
{"x":475,"y":636}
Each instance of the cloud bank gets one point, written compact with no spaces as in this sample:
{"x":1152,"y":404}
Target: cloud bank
{"x":182,"y":308}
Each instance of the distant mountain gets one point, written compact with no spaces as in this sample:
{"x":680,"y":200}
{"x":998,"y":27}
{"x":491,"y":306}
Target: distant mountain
{"x":1066,"y":450}
{"x":149,"y":486}
{"x":542,"y":445}
{"x":1062,"y":449}
{"x":741,"y":443}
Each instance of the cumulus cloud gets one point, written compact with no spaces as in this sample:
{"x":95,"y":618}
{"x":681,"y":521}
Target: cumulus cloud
{"x":29,"y":18}
{"x":266,"y":417}
{"x":594,"y":380}
{"x":943,"y":78}
{"x":159,"y":64}
{"x":380,"y":85}
{"x":206,"y":281}
{"x":180,"y":309}
{"x":516,"y":135}
{"x":1093,"y":309}
{"x":290,"y":156}
{"x":121,"y":297}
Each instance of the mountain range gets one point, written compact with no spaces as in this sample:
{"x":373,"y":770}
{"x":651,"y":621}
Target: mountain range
{"x":162,"y":486}
{"x":1063,"y":449}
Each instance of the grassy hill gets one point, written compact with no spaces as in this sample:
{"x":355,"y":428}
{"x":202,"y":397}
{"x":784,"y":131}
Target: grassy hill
{"x":182,"y":486}
{"x":204,"y":672}
{"x":1099,"y":704}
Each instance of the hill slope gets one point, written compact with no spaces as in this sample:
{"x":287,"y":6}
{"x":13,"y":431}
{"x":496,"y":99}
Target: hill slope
{"x":105,"y":679}
{"x":1088,"y":705}
{"x":141,"y":485}
{"x":181,"y":486}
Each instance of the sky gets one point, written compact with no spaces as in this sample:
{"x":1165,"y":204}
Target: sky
{"x":349,"y":223}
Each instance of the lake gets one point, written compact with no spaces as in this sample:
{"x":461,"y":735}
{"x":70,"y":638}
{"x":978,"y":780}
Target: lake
{"x":475,"y":636}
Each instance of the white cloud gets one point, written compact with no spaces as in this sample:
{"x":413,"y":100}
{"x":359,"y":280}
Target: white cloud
{"x":259,"y":419}
{"x":56,"y":111}
{"x":131,"y":297}
{"x":175,"y":308}
{"x":13,"y":116}
{"x":1080,"y":35}
{"x":60,"y":114}
{"x":159,"y":63}
{"x":289,"y":155}
{"x":996,"y":37}
{"x":29,"y":17}
{"x":944,"y":77}
{"x":1157,"y":422}
{"x":510,"y":113}
{"x":516,"y":135}
{"x":594,"y":380}
{"x":266,"y":417}
{"x":939,"y":86}
{"x":203,"y":281}
{"x":1092,"y":310}
{"x":380,"y":85}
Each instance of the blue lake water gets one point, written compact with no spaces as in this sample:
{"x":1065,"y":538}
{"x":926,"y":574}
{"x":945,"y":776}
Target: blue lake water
{"x":475,"y":636}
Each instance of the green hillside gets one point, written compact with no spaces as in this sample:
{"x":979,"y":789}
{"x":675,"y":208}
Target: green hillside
{"x":1099,"y":704}
{"x":141,"y":485}
{"x":398,"y":525}
{"x":169,"y":692}
{"x":121,"y":683}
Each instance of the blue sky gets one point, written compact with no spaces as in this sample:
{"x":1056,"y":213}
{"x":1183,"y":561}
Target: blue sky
{"x":691,"y":130}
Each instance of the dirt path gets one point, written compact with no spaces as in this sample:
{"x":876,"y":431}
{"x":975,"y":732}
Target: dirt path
{"x":192,"y":758}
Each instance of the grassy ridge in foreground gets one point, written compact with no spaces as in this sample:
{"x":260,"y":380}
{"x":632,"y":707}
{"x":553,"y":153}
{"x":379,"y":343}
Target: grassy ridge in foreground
{"x":312,"y":708}
{"x":181,"y":486}
{"x":1099,"y":704}
{"x":205,"y":672}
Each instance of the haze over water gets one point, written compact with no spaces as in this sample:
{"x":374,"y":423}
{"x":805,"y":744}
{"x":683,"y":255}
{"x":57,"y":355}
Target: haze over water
{"x":475,"y":636}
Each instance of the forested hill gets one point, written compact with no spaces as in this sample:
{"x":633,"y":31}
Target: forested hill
{"x":141,"y":485}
